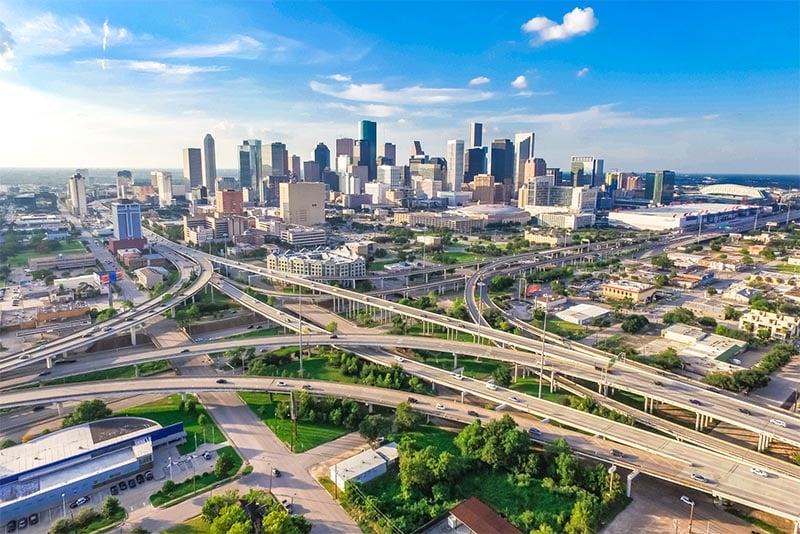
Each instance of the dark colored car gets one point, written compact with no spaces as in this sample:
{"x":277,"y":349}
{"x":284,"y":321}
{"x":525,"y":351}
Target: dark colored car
{"x":658,"y":383}
{"x":140,"y":479}
{"x":148,"y":475}
{"x":114,"y":490}
{"x":276,"y":473}
{"x":11,"y":526}
{"x":617,"y":454}
{"x":745,"y":411}
{"x":412,"y":400}
{"x":473,"y":413}
{"x":221,"y":381}
{"x":132,"y":483}
{"x":123,"y":485}
{"x":33,"y":519}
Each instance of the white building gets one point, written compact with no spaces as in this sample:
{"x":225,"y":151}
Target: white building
{"x":582,"y":314}
{"x":318,"y":263}
{"x":77,"y":195}
{"x":302,"y":236}
{"x":779,"y":325}
{"x":364,"y":466}
{"x":303,"y":203}
{"x":455,"y":165}
{"x":163,"y":183}
{"x":391,"y":175}
{"x":377,"y":191}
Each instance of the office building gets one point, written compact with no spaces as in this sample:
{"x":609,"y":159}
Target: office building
{"x":325,"y":263}
{"x":227,"y":182}
{"x":368,"y":131}
{"x":312,"y":171}
{"x":416,"y":150}
{"x":376,"y":190}
{"x":275,"y":160}
{"x":342,"y":164}
{"x":502,"y":161}
{"x":322,"y":155}
{"x":474,"y":163}
{"x":229,"y":202}
{"x":301,"y":236}
{"x":483,"y":188}
{"x":193,"y":167}
{"x":295,"y":167}
{"x":659,"y":186}
{"x":124,"y":182}
{"x":557,"y":176}
{"x":126,"y":216}
{"x":163,"y":185}
{"x":455,"y":165}
{"x":361,"y":151}
{"x":77,"y":195}
{"x":523,"y":151}
{"x":586,"y":170}
{"x":392,"y":176}
{"x":303,"y":203}
{"x":627,"y":289}
{"x":250,"y":171}
{"x":331,"y":180}
{"x":389,"y":154}
{"x":209,"y":164}
{"x":344,"y":147}
{"x":475,"y":135}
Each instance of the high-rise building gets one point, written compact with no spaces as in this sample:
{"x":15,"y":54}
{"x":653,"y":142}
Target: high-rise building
{"x":416,"y":149}
{"x":659,"y":186}
{"x":250,"y":171}
{"x":209,"y":164}
{"x":344,"y":147}
{"x":475,"y":135}
{"x":163,"y":181}
{"x":391,"y":175}
{"x":126,"y":216}
{"x":474,"y":163}
{"x":226,"y":182}
{"x":483,"y":188}
{"x":322,"y":155}
{"x":77,"y":195}
{"x":303,"y":203}
{"x":124,"y":182}
{"x":557,"y":175}
{"x":229,"y":202}
{"x":368,"y":131}
{"x":193,"y":167}
{"x":295,"y":166}
{"x":389,"y":154}
{"x":343,"y":163}
{"x":361,"y":151}
{"x":455,"y":165}
{"x":311,"y":172}
{"x":274,"y":160}
{"x":586,"y":170}
{"x":501,"y":161}
{"x":539,"y":167}
{"x":523,"y":149}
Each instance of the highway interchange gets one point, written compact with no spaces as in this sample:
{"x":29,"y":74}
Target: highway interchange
{"x":728,"y":469}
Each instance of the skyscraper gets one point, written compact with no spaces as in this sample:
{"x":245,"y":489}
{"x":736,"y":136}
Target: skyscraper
{"x":390,"y":154}
{"x":163,"y":181}
{"x":209,"y":164}
{"x":303,"y":203}
{"x":312,"y":172}
{"x":659,"y":186}
{"x":523,"y":148}
{"x":77,"y":194}
{"x":502,"y":161}
{"x":368,"y":131}
{"x":483,"y":188}
{"x":295,"y":166}
{"x":126,"y":216}
{"x":586,"y":170}
{"x":124,"y":182}
{"x":250,"y":171}
{"x":474,"y":163}
{"x":475,"y":135}
{"x":193,"y":167}
{"x":344,"y":147}
{"x":322,"y":155}
{"x":361,"y":151}
{"x":274,"y":160}
{"x":455,"y":165}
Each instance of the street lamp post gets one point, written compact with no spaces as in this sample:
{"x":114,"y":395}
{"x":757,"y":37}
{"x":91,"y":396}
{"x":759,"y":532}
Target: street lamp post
{"x":63,"y":505}
{"x":481,"y":285}
{"x":541,"y":360}
{"x":169,"y":459}
{"x":691,"y":514}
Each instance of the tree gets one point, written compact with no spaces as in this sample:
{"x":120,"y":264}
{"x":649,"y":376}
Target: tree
{"x":634,"y":323}
{"x":661,"y":280}
{"x":662,"y":261}
{"x":111,"y":507}
{"x":331,"y":327}
{"x":502,"y":375}
{"x":140,"y":530}
{"x":168,"y":487}
{"x":6,"y":443}
{"x":232,"y":517}
{"x":224,"y":466}
{"x":584,"y":516}
{"x":679,"y":315}
{"x":87,"y":411}
{"x":406,"y":418}
{"x":373,"y":426}
{"x":471,"y":439}
{"x":711,"y":291}
{"x":732,"y":314}
{"x":215,"y":504}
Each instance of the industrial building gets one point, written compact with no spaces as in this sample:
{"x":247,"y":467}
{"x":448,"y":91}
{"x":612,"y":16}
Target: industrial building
{"x":364,"y":466}
{"x":48,"y":470}
{"x":678,"y":217}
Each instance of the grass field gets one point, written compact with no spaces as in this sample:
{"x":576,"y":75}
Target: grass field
{"x":165,"y":411}
{"x":786,"y":268}
{"x":472,"y":367}
{"x":309,"y":435}
{"x":67,"y":247}
{"x":378,"y":265}
{"x":193,"y":526}
{"x":462,"y":257}
{"x":530,"y":386}
{"x":145,"y":369}
{"x":262,"y":332}
{"x":562,"y":328}
{"x":317,"y":367}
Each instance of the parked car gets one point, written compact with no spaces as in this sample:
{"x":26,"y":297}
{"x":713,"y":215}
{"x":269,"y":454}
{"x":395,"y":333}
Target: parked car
{"x":80,"y":501}
{"x":276,"y":473}
{"x":114,"y":490}
{"x":123,"y":485}
{"x":132,"y":483}
{"x":140,"y":478}
{"x":33,"y":519}
{"x":148,"y":475}
{"x":11,"y":526}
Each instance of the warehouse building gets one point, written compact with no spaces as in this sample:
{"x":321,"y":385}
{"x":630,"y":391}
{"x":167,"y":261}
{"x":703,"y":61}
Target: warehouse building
{"x":364,"y":466}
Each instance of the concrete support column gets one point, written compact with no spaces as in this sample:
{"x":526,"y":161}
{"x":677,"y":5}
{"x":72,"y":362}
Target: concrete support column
{"x":133,"y":335}
{"x":49,"y":361}
{"x":173,"y":312}
{"x":516,"y":371}
{"x":370,"y":407}
{"x":553,"y":384}
{"x":698,"y":422}
{"x":463,"y":394}
{"x":183,"y":396}
{"x":455,"y":361}
{"x":426,"y":278}
{"x":631,"y":476}
{"x":136,"y":370}
{"x":60,"y":407}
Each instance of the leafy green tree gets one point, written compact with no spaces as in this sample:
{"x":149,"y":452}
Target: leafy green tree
{"x":231,"y":517}
{"x":584,"y":516}
{"x":567,"y":469}
{"x":111,"y":507}
{"x":634,"y":323}
{"x":679,"y":315}
{"x":140,"y":530}
{"x":224,"y":466}
{"x":374,"y":425}
{"x":470,"y":440}
{"x":87,"y":411}
{"x":6,"y":443}
{"x":168,"y":487}
{"x":502,"y":375}
{"x":406,"y":418}
{"x":216,"y":503}
{"x":662,"y":261}
{"x":661,"y":280}
{"x":332,"y":327}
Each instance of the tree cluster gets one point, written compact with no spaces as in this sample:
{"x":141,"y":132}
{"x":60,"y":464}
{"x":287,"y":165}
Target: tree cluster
{"x":634,"y":323}
{"x":331,"y":410}
{"x":757,"y":376}
{"x":111,"y":511}
{"x":255,"y":512}
{"x":86,"y":412}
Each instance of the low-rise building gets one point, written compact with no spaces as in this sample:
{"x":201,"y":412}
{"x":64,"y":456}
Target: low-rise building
{"x":318,"y":264}
{"x":549,"y":302}
{"x":302,"y":236}
{"x":740,"y":293}
{"x":477,"y":518}
{"x":364,"y":466}
{"x":457,"y":223}
{"x":622,"y":289}
{"x":149,"y":277}
{"x":583,"y":314}
{"x":779,"y":325}
{"x":429,"y":240}
{"x":693,"y":280}
{"x":62,"y":261}
{"x":694,"y":342}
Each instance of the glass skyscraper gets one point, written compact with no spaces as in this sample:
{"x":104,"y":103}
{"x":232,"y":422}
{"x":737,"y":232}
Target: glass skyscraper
{"x":368,"y":131}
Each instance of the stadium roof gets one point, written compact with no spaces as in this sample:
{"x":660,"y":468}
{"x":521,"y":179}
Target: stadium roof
{"x":734,"y":190}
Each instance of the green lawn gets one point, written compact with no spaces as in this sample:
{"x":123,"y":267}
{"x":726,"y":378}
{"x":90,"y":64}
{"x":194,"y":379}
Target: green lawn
{"x":530,"y":386}
{"x":165,"y":412}
{"x":786,"y":268}
{"x":472,"y":367}
{"x":67,"y":247}
{"x":260,"y":332}
{"x":117,"y":373}
{"x":378,"y":265}
{"x":462,"y":257}
{"x":198,"y":481}
{"x":193,"y":526}
{"x":562,"y":328}
{"x":309,"y":435}
{"x":318,"y":368}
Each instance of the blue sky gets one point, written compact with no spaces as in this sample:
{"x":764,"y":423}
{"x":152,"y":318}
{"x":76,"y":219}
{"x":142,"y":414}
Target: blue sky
{"x":693,"y":86}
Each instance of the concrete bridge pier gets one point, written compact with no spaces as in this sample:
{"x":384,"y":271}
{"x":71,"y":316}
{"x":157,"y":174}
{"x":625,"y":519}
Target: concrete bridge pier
{"x":136,"y":370}
{"x":516,"y":372}
{"x":455,"y":361}
{"x":763,"y":442}
{"x":463,"y":394}
{"x":133,"y":335}
{"x":49,"y":361}
{"x":172,"y":311}
{"x":553,"y":383}
{"x":59,"y":407}
{"x":631,"y":476}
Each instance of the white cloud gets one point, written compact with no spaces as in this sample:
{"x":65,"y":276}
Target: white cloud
{"x":6,"y":48}
{"x":711,"y":116}
{"x":576,"y":22}
{"x":106,"y":32}
{"x":49,"y":35}
{"x":520,"y":82}
{"x":524,"y":93}
{"x":480,"y":80}
{"x":151,"y":67}
{"x":377,"y":93}
{"x":370,"y":110}
{"x":238,"y":45}
{"x":340,"y":77}
{"x":582,"y":72}
{"x":595,"y":117}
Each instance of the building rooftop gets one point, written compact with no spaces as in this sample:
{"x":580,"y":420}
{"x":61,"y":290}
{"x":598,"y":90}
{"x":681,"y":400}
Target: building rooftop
{"x":482,"y":519}
{"x":582,"y":312}
{"x":366,"y":460}
{"x":630,"y":285}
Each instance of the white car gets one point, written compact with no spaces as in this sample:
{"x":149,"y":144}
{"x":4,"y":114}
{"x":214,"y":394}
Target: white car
{"x":441,"y":406}
{"x":491,"y":386}
{"x":687,"y":500}
{"x":399,"y":359}
{"x":281,"y":383}
{"x":458,"y":376}
{"x":759,"y":472}
{"x":778,"y":422}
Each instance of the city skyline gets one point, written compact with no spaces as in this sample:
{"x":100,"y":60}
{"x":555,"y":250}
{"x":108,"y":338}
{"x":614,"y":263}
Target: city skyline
{"x":586,"y":80}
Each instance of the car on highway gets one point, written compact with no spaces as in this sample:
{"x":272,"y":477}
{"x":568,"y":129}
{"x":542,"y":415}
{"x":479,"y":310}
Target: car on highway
{"x":473,"y":413}
{"x":332,"y":336}
{"x":24,"y":357}
{"x":515,"y":399}
{"x":221,"y":381}
{"x":659,"y":383}
{"x":38,"y":408}
{"x":778,"y":422}
{"x":307,"y":387}
{"x":533,"y":431}
{"x":281,"y":383}
{"x":745,"y":411}
{"x":44,"y":373}
{"x":184,"y":351}
{"x":399,"y":359}
{"x":491,"y":386}
{"x":79,"y":501}
{"x":107,"y":329}
{"x":412,"y":400}
{"x":687,"y":500}
{"x":759,"y":472}
{"x":695,"y":402}
{"x":698,"y":477}
{"x":458,"y":376}
{"x":440,"y":406}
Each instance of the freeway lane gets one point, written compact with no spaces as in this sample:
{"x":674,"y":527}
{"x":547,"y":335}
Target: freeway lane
{"x":729,"y":479}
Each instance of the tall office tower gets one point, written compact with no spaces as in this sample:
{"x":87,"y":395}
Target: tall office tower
{"x":303,"y":203}
{"x":361,"y":151}
{"x":557,"y":175}
{"x":229,"y":202}
{"x":483,"y":188}
{"x":416,"y":149}
{"x":295,"y":167}
{"x":523,"y":149}
{"x":227,"y":182}
{"x":389,"y":154}
{"x":659,"y":186}
{"x":343,"y":163}
{"x":331,"y":180}
{"x":455,"y":165}
{"x":127,"y":218}
{"x":193,"y":167}
{"x":344,"y":147}
{"x":501,"y":161}
{"x":124,"y":182}
{"x":352,"y":184}
{"x":312,"y":171}
{"x":77,"y":194}
{"x":615,"y":180}
{"x":322,"y":155}
{"x":474,"y":163}
{"x":274,"y":160}
{"x":391,"y":175}
{"x":475,"y":135}
{"x":209,"y":164}
{"x":368,"y":131}
{"x":634,"y":183}
{"x":540,"y":167}
{"x":586,"y":170}
{"x":163,"y":181}
{"x":250,"y":171}
{"x":529,"y":172}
